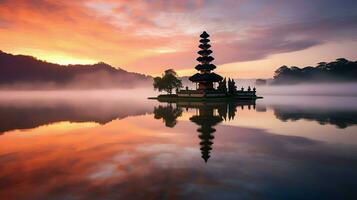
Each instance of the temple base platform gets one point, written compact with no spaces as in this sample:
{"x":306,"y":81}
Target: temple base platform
{"x":213,"y":95}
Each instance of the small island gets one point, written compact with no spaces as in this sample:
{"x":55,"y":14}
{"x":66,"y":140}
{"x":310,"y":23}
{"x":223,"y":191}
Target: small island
{"x":209,"y":85}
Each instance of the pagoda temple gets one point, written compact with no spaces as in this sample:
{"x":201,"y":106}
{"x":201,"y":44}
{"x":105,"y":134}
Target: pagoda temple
{"x":205,"y":78}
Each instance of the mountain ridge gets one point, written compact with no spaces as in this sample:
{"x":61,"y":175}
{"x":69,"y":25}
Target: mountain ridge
{"x":28,"y":72}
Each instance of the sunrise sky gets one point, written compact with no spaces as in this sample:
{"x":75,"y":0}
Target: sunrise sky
{"x":250,"y":38}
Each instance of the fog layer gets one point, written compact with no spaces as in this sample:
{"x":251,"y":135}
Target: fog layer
{"x":336,"y":89}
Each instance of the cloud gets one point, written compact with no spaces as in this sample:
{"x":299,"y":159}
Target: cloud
{"x":149,"y":36}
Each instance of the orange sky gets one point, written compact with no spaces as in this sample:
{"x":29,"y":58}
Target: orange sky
{"x":250,"y":38}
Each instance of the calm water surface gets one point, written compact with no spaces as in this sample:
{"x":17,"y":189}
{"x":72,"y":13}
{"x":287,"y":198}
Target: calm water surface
{"x":280,"y":147}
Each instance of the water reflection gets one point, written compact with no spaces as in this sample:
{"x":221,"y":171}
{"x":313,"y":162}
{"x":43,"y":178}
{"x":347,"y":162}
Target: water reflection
{"x":162,"y":155}
{"x":326,"y":110}
{"x":207,"y":115}
{"x":340,"y":118}
{"x":26,"y":114}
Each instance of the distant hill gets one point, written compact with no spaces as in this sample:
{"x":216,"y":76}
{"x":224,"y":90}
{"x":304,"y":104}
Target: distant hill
{"x":341,"y":70}
{"x":27,"y":72}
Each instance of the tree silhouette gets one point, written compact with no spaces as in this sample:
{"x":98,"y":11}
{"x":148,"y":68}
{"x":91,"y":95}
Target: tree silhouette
{"x":167,"y":82}
{"x":222,"y":85}
{"x":232,"y":88}
{"x":338,"y":71}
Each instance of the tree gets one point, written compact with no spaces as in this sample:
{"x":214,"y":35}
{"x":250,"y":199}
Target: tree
{"x":342,"y":60}
{"x":222,"y":85}
{"x":281,"y":70}
{"x":339,"y":70}
{"x":167,"y":82}
{"x":321,"y":64}
{"x":232,"y":88}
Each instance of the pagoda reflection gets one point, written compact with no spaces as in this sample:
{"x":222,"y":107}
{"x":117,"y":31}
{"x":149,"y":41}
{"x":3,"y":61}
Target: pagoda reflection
{"x":206,"y":119}
{"x":207,"y":116}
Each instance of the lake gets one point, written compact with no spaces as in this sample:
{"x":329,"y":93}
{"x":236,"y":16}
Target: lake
{"x":97,"y":146}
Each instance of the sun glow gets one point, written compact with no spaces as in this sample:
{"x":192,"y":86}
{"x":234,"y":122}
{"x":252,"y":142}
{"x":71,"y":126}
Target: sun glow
{"x":54,"y":57}
{"x":65,"y":60}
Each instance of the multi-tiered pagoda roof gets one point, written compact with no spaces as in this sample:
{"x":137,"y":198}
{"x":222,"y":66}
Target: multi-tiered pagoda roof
{"x":205,"y":77}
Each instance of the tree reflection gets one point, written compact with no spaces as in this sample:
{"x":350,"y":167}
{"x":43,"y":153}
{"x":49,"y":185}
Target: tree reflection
{"x":168,"y":114}
{"x":340,"y":118}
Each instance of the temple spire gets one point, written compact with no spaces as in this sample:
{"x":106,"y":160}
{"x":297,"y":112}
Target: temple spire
{"x":205,"y":78}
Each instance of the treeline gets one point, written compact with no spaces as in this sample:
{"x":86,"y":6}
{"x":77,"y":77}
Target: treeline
{"x":29,"y":72}
{"x":340,"y":70}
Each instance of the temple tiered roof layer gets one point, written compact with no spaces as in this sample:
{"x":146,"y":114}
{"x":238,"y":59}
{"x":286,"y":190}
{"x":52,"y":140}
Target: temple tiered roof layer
{"x":207,"y":77}
{"x":204,"y":35}
{"x":205,"y":59}
{"x":200,"y":67}
{"x":204,"y":52}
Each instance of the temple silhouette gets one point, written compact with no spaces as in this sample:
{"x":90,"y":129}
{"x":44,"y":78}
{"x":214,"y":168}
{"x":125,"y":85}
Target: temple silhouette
{"x":207,"y":116}
{"x":209,"y":85}
{"x":205,"y":78}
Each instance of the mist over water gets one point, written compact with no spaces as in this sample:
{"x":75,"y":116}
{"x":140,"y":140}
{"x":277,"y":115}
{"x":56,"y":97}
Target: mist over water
{"x":321,"y":89}
{"x":112,"y":143}
{"x":313,"y":89}
{"x":133,"y":94}
{"x":324,"y":89}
